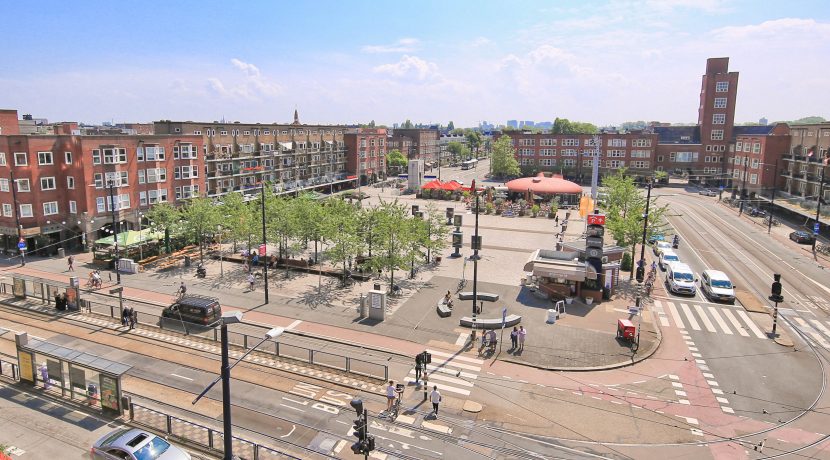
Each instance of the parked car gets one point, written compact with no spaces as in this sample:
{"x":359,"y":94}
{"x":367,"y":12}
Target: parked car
{"x":717,"y":286}
{"x":708,"y":192}
{"x":135,"y":444}
{"x":802,"y":237}
{"x":195,"y":310}
{"x":659,"y":246}
{"x":655,"y":238}
{"x":757,"y":212}
{"x":680,"y":279}
{"x":668,"y":256}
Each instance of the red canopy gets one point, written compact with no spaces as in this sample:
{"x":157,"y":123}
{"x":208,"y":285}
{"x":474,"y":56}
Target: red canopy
{"x":451,"y":186}
{"x":431,"y":185}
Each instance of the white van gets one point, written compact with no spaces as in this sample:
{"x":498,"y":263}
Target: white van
{"x":667,"y":256}
{"x":717,"y":286}
{"x":680,"y":279}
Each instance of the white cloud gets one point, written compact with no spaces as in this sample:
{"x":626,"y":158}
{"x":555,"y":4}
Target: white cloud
{"x":778,"y":30}
{"x":709,"y":6}
{"x":409,"y":65}
{"x":403,"y":45}
{"x":253,"y":86}
{"x":480,"y":41}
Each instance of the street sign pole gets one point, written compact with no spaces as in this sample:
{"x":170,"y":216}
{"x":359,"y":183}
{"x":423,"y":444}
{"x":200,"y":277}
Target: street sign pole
{"x":503,"y":322}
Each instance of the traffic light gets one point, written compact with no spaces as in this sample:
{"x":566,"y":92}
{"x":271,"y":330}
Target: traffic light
{"x":594,"y":238}
{"x":641,"y":274}
{"x":359,"y":428}
{"x":370,"y":444}
{"x":426,"y":358}
{"x":776,"y":289}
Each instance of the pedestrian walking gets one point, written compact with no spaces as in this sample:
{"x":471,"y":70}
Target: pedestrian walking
{"x":124,"y":313}
{"x":435,"y":398}
{"x":514,"y":338}
{"x":71,"y":262}
{"x":251,"y":281}
{"x":522,"y":335}
{"x":418,"y":368}
{"x":133,"y":318}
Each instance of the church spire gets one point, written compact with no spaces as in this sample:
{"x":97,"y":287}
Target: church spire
{"x":296,"y":117}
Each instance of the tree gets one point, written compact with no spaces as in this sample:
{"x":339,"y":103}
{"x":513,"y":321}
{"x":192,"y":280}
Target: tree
{"x":474,"y":140}
{"x":200,"y":219}
{"x":561,"y":126}
{"x":407,"y":124}
{"x":437,"y":232}
{"x":395,"y":159}
{"x":451,"y":126}
{"x":390,"y":239}
{"x":164,"y":217}
{"x":237,"y":218}
{"x":340,"y":227}
{"x":503,"y":162}
{"x":459,"y":151}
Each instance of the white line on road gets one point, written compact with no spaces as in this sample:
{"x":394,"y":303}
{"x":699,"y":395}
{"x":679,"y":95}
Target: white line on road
{"x":658,"y":307}
{"x":690,"y":316}
{"x":706,"y":322}
{"x":675,"y":315}
{"x":458,"y":357}
{"x":182,"y":377}
{"x":293,"y":325}
{"x":734,"y":321}
{"x":751,"y":324}
{"x":720,"y":320}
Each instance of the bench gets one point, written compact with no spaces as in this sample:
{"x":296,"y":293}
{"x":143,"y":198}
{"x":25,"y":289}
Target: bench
{"x":489,"y":297}
{"x":443,"y":309}
{"x":490,"y":323}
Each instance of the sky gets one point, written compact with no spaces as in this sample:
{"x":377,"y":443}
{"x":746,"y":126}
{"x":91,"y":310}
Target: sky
{"x":604,"y":62}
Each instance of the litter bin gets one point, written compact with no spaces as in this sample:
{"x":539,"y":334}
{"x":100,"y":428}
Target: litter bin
{"x":376,"y":287}
{"x":61,"y":253}
{"x":186,"y":261}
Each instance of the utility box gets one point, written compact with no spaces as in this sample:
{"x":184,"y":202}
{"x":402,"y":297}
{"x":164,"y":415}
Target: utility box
{"x":376,"y":301}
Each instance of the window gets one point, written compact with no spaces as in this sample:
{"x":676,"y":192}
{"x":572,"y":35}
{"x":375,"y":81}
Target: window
{"x":528,"y":162}
{"x":547,"y":162}
{"x":2,"y":158}
{"x":223,"y":132}
{"x":568,"y":152}
{"x":197,"y":133}
{"x":67,"y":157}
{"x":590,"y":142}
{"x":185,"y":152}
{"x":738,"y":145}
{"x":25,"y":210}
{"x":660,"y":159}
{"x":547,"y":152}
{"x":50,"y":208}
{"x":719,"y":118}
{"x":570,"y":142}
{"x":616,"y":142}
{"x":547,"y":142}
{"x":614,"y":164}
{"x":96,"y":157}
{"x":73,"y":207}
{"x":267,"y":132}
{"x":156,"y":175}
{"x":753,"y":178}
{"x":20,"y":159}
{"x":70,"y":182}
{"x":720,"y":102}
{"x":4,"y":185}
{"x":616,"y":153}
{"x":746,"y":146}
{"x":188,"y":191}
{"x":756,"y":147}
{"x":641,"y":143}
{"x":755,"y":163}
{"x":683,"y":157}
{"x":721,"y":86}
{"x":115,"y":155}
{"x":47,"y":183}
{"x":526,"y":152}
{"x":247,"y":133}
{"x":151,"y":153}
{"x":639,"y":164}
{"x":7,"y":210}
{"x":23,"y":185}
{"x":185,"y":172}
{"x":588,"y":163}
{"x":717,"y":134}
{"x":44,"y":158}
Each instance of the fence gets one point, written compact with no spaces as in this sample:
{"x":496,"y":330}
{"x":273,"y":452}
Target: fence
{"x":252,"y":335}
{"x":213,"y":439}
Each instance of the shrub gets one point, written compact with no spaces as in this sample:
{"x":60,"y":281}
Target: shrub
{"x":489,"y":208}
{"x":534,"y":211}
{"x":625,"y":264}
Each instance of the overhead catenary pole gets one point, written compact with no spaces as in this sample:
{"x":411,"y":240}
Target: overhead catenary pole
{"x":115,"y":230}
{"x":17,"y":216}
{"x":264,"y":243}
{"x":595,"y":167}
{"x":744,"y":193}
{"x":772,"y":199}
{"x":475,"y":265}
{"x":822,"y":164}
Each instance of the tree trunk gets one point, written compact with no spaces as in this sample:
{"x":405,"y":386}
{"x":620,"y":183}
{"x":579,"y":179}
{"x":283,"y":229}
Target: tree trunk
{"x":633,"y":263}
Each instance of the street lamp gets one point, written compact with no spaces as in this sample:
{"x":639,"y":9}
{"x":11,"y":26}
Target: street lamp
{"x":744,"y":193}
{"x":264,"y":242}
{"x":221,"y":267}
{"x":225,"y":376}
{"x":822,"y":165}
{"x":111,"y":185}
{"x":20,"y":238}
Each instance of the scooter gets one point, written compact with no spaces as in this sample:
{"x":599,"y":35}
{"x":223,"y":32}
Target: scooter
{"x":676,"y":242}
{"x":201,"y":272}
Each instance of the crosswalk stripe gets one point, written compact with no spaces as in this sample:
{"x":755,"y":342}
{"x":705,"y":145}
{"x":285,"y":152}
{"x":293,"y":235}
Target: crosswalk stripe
{"x":658,"y":307}
{"x":675,"y":315}
{"x":751,"y":325}
{"x":451,"y":380}
{"x":442,"y":387}
{"x":706,"y":322}
{"x":820,"y":327}
{"x":734,"y":321}
{"x":454,"y":364}
{"x":443,"y":370}
{"x":720,"y":321}
{"x":690,"y":317}
{"x":801,"y":322}
{"x":456,"y":357}
{"x":819,"y":339}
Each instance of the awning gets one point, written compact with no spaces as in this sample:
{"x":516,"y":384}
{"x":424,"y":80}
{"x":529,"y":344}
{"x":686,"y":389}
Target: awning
{"x":555,"y":268}
{"x":286,"y":146}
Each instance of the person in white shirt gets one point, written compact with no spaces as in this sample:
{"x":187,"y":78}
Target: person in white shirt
{"x":435,"y":398}
{"x":390,"y":395}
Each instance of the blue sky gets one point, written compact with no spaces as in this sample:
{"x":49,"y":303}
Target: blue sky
{"x":429,"y":61}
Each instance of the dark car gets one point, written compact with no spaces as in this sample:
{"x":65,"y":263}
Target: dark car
{"x":708,"y":192}
{"x":802,"y":237}
{"x":756,"y":212}
{"x":195,"y":310}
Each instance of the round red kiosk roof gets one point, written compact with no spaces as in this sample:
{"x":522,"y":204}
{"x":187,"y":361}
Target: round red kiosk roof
{"x":542,"y":185}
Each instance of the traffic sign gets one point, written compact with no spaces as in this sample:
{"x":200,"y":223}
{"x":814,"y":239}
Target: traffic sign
{"x":633,"y":310}
{"x":503,"y":317}
{"x":262,"y":249}
{"x":720,"y":188}
{"x":596,"y":219}
{"x":21,"y":245}
{"x":815,"y":228}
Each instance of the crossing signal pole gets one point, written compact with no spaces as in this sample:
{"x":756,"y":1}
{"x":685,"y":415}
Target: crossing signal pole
{"x":775,"y":297}
{"x":365,"y":442}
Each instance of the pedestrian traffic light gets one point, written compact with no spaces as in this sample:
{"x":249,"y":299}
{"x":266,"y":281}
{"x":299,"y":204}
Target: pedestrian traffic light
{"x":641,"y":274}
{"x":359,"y":428}
{"x":358,"y":447}
{"x":370,"y":444}
{"x":427,"y":359}
{"x":776,"y":289}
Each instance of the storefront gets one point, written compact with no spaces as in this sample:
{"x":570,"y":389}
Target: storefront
{"x":562,"y":274}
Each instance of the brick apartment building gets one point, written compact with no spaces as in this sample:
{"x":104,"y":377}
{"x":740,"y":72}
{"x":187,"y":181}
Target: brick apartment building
{"x":239,"y":156}
{"x":802,"y":171}
{"x":366,"y":153}
{"x":417,"y":144}
{"x":54,"y":187}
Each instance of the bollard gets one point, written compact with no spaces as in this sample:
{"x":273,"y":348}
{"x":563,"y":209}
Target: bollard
{"x":426,"y":386}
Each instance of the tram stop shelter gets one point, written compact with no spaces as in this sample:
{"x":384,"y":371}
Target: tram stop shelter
{"x":83,"y":377}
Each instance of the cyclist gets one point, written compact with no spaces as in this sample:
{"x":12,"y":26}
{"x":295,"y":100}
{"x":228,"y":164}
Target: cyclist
{"x":182,"y":290}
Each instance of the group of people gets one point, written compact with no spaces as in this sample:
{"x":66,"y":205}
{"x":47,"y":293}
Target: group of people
{"x":393,"y":393}
{"x":517,"y":338}
{"x":95,"y":279}
{"x":129,"y":317}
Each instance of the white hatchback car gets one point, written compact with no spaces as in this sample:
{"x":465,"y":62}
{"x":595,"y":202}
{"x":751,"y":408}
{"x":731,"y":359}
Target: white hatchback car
{"x":667,"y":256}
{"x":717,"y":286}
{"x":660,"y":246}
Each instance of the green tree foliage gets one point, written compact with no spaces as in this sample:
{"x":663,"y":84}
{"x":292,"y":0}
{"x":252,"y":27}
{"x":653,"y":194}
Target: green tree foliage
{"x":200,"y":219}
{"x":237,"y":219}
{"x":503,"y":161}
{"x":808,"y":120}
{"x":565,"y":126}
{"x":407,"y":124}
{"x":164,"y":217}
{"x":391,"y":238}
{"x":341,"y":228}
{"x":450,"y":126}
{"x":459,"y":151}
{"x":396,"y":159}
{"x":474,"y":140}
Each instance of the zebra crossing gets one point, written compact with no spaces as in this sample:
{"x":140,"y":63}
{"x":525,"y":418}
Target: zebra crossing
{"x":724,"y":320}
{"x":451,"y":373}
{"x":813,"y":328}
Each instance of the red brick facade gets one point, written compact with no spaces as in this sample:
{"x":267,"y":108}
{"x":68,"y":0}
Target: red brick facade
{"x":368,"y":147}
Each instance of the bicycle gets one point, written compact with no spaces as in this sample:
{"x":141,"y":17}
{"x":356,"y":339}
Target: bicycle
{"x":392,"y":414}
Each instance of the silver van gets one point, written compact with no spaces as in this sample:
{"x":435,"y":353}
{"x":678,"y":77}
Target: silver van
{"x":680,"y":279}
{"x":717,"y":286}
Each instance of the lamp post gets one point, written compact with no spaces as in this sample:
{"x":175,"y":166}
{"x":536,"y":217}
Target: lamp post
{"x":17,"y":217}
{"x":264,"y":242}
{"x":225,"y":376}
{"x":476,"y":245}
{"x":221,"y":267}
{"x":111,"y":185}
{"x":772,"y":198}
{"x":140,"y":216}
{"x":743,"y":187}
